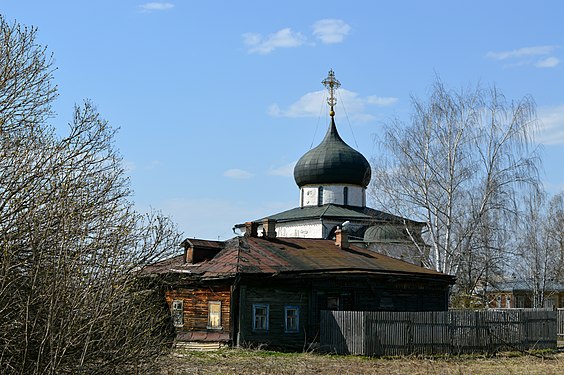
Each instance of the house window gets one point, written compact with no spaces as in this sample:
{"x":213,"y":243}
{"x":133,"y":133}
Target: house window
{"x":320,"y":196}
{"x":346,"y":195}
{"x":520,"y":302}
{"x":177,"y":313}
{"x":214,"y":315}
{"x":332,"y":303}
{"x":498,"y":302}
{"x":292,"y":321}
{"x":508,"y":302}
{"x":260,"y":317}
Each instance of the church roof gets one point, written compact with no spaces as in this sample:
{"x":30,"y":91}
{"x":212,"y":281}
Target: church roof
{"x":329,"y":211}
{"x":332,"y":162}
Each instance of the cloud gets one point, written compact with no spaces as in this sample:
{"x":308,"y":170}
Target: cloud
{"x":156,"y":6}
{"x":239,"y":174}
{"x":312,"y":103}
{"x":521,"y":52}
{"x":285,"y":38}
{"x":153,"y":164}
{"x":331,"y":31}
{"x":549,"y":62}
{"x":551,"y":131}
{"x":286,"y":170}
{"x":536,"y":55}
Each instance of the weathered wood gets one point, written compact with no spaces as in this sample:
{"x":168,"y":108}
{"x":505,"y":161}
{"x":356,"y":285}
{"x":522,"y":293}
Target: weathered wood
{"x":196,"y":306}
{"x":560,"y":316}
{"x":378,"y":333}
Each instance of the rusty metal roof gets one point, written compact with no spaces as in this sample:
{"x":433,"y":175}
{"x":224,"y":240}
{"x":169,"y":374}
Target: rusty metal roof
{"x":278,"y":256}
{"x":196,"y":242}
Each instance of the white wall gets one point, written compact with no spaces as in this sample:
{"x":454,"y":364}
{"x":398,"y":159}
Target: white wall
{"x":305,"y":229}
{"x":332,"y":194}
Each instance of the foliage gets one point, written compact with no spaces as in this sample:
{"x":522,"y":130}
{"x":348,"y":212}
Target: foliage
{"x":71,"y":245}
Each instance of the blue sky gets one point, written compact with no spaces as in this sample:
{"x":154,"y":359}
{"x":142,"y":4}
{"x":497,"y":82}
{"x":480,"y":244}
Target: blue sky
{"x":215,"y":100}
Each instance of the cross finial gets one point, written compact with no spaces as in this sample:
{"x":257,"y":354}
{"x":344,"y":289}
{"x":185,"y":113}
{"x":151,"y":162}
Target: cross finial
{"x":331,"y":83}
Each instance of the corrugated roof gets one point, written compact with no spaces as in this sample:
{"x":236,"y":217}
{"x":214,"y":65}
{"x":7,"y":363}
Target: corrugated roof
{"x":258,"y":255}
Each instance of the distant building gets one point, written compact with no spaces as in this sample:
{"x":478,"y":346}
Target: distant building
{"x":268,"y":285}
{"x":522,"y":294}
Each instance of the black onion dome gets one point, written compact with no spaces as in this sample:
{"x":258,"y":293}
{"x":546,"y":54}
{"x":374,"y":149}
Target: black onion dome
{"x":332,"y":162}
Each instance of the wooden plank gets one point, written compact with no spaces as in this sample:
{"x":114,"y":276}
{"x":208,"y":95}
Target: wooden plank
{"x":380,"y":333}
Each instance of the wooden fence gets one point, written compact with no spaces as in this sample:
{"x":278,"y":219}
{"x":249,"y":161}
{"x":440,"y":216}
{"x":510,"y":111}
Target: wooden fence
{"x":560,"y":317}
{"x":377,"y":333}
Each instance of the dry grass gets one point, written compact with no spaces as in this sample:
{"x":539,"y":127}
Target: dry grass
{"x":239,"y":361}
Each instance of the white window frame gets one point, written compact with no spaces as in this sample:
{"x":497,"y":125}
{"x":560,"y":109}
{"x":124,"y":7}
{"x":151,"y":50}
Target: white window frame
{"x":210,"y":314}
{"x":296,"y":327}
{"x":177,"y":312}
{"x":264,"y":325}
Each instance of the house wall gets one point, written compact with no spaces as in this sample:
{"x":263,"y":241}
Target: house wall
{"x":196,"y":306}
{"x":276,"y":298}
{"x":523,"y":299}
{"x":329,"y":293}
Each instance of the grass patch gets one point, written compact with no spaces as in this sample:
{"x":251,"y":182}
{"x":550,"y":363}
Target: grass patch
{"x":256,"y":361}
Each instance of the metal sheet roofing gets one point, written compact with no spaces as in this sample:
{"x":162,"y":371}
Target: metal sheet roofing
{"x":330,"y":211}
{"x":258,"y":255}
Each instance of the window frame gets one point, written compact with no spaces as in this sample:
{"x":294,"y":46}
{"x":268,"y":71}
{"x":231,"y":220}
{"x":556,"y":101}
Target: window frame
{"x":320,"y":196}
{"x":296,"y":328}
{"x":346,"y":196}
{"x":266,"y":316}
{"x":177,"y":313}
{"x":210,"y":304}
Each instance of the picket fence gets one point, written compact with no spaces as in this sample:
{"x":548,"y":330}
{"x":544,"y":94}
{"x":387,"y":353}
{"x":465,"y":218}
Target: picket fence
{"x":377,"y":333}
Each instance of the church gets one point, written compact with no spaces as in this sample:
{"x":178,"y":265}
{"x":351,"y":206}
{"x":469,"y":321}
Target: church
{"x":333,"y":178}
{"x":268,"y":284}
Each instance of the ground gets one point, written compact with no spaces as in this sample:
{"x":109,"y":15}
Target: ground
{"x":239,"y":361}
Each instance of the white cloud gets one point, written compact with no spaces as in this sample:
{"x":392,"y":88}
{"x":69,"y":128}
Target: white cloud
{"x":153,"y":164}
{"x":149,"y":7}
{"x":312,"y":103}
{"x":551,"y":131}
{"x":527,"y":56}
{"x":331,"y":31}
{"x":286,"y":170}
{"x":549,"y":62}
{"x":239,"y":174}
{"x":521,"y":52}
{"x":285,"y":38}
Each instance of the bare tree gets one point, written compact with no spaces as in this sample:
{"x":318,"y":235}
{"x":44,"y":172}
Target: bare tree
{"x":540,"y":256}
{"x":459,"y":166}
{"x":71,"y":244}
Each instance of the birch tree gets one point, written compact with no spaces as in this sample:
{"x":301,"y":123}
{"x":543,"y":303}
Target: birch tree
{"x":71,"y":242}
{"x":540,"y":255}
{"x":459,"y":166}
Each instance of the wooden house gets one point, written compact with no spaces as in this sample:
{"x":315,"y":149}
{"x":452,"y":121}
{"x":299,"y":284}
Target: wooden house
{"x":523,"y":293}
{"x":267,"y":290}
